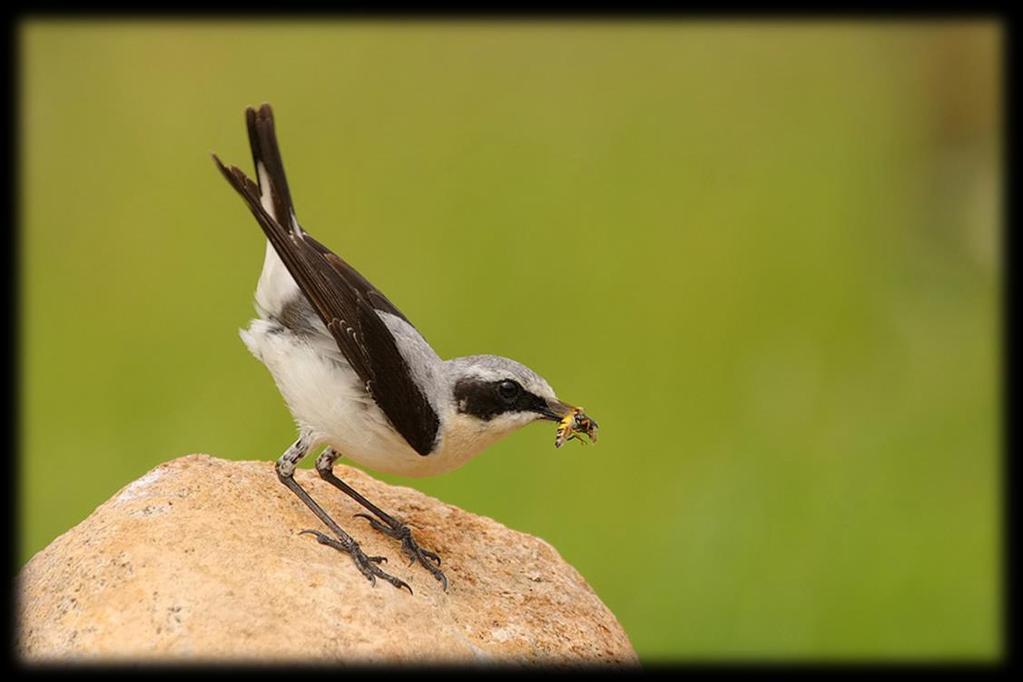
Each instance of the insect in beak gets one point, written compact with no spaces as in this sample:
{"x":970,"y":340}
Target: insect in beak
{"x":572,"y":421}
{"x":574,"y":424}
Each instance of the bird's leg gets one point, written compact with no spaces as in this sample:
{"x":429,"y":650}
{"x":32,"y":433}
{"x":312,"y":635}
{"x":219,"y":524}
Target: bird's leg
{"x":384,"y":522}
{"x":343,"y":542}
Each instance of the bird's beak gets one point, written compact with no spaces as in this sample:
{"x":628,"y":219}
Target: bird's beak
{"x":555,"y":410}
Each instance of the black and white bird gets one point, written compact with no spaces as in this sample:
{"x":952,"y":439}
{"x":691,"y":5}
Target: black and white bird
{"x":358,"y":377}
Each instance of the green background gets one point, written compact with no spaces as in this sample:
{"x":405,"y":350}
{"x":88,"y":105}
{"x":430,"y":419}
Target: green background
{"x":766,"y":257}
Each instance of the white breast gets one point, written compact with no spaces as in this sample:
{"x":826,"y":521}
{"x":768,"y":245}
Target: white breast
{"x":326,"y":398}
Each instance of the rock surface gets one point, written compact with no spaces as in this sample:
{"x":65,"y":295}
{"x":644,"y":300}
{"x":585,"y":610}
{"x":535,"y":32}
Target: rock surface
{"x":201,"y":560}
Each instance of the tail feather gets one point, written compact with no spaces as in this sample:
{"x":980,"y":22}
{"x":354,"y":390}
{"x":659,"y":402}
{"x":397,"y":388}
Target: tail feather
{"x":276,"y":288}
{"x":266,"y":155}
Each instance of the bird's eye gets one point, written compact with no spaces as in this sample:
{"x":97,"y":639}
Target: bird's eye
{"x":508,"y":391}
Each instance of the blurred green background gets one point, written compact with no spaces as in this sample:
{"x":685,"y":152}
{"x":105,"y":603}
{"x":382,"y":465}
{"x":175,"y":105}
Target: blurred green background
{"x":766,"y":257}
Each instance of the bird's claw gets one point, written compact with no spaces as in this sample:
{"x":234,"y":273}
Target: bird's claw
{"x":367,"y":565}
{"x":429,"y":560}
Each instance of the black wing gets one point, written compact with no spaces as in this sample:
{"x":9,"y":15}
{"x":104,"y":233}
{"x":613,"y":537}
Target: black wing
{"x":344,"y":299}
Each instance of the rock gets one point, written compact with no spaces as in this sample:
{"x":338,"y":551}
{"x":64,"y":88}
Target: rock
{"x":201,"y":559}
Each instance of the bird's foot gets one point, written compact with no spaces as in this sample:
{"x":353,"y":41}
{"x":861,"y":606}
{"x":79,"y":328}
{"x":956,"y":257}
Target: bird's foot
{"x":402,"y":533}
{"x":367,"y":565}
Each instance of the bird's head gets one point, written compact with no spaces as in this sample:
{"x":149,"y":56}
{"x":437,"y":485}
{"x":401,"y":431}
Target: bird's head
{"x":493,"y":396}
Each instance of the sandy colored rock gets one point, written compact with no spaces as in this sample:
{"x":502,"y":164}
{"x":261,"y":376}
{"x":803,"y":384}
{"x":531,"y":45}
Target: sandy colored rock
{"x":201,"y":559}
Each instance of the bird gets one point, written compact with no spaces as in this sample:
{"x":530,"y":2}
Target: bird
{"x":359,"y":379}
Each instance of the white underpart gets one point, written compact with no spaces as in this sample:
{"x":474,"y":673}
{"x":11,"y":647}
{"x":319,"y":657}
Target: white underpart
{"x":276,"y":286}
{"x":326,"y":398}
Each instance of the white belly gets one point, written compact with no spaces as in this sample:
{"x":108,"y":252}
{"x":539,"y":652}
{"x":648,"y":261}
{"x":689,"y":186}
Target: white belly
{"x":327,"y":399}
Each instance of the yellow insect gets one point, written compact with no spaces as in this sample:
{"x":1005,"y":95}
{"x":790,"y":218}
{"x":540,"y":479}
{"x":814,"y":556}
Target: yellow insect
{"x":575,"y":423}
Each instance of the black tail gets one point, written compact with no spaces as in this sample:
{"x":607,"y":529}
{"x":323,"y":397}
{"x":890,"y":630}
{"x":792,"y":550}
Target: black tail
{"x":266,"y":156}
{"x":270,"y":171}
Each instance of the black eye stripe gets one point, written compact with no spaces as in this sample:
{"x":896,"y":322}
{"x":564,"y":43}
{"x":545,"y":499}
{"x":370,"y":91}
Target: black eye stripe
{"x":488,"y":399}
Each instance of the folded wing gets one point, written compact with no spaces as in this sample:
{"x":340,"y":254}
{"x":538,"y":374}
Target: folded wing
{"x":345,"y":301}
